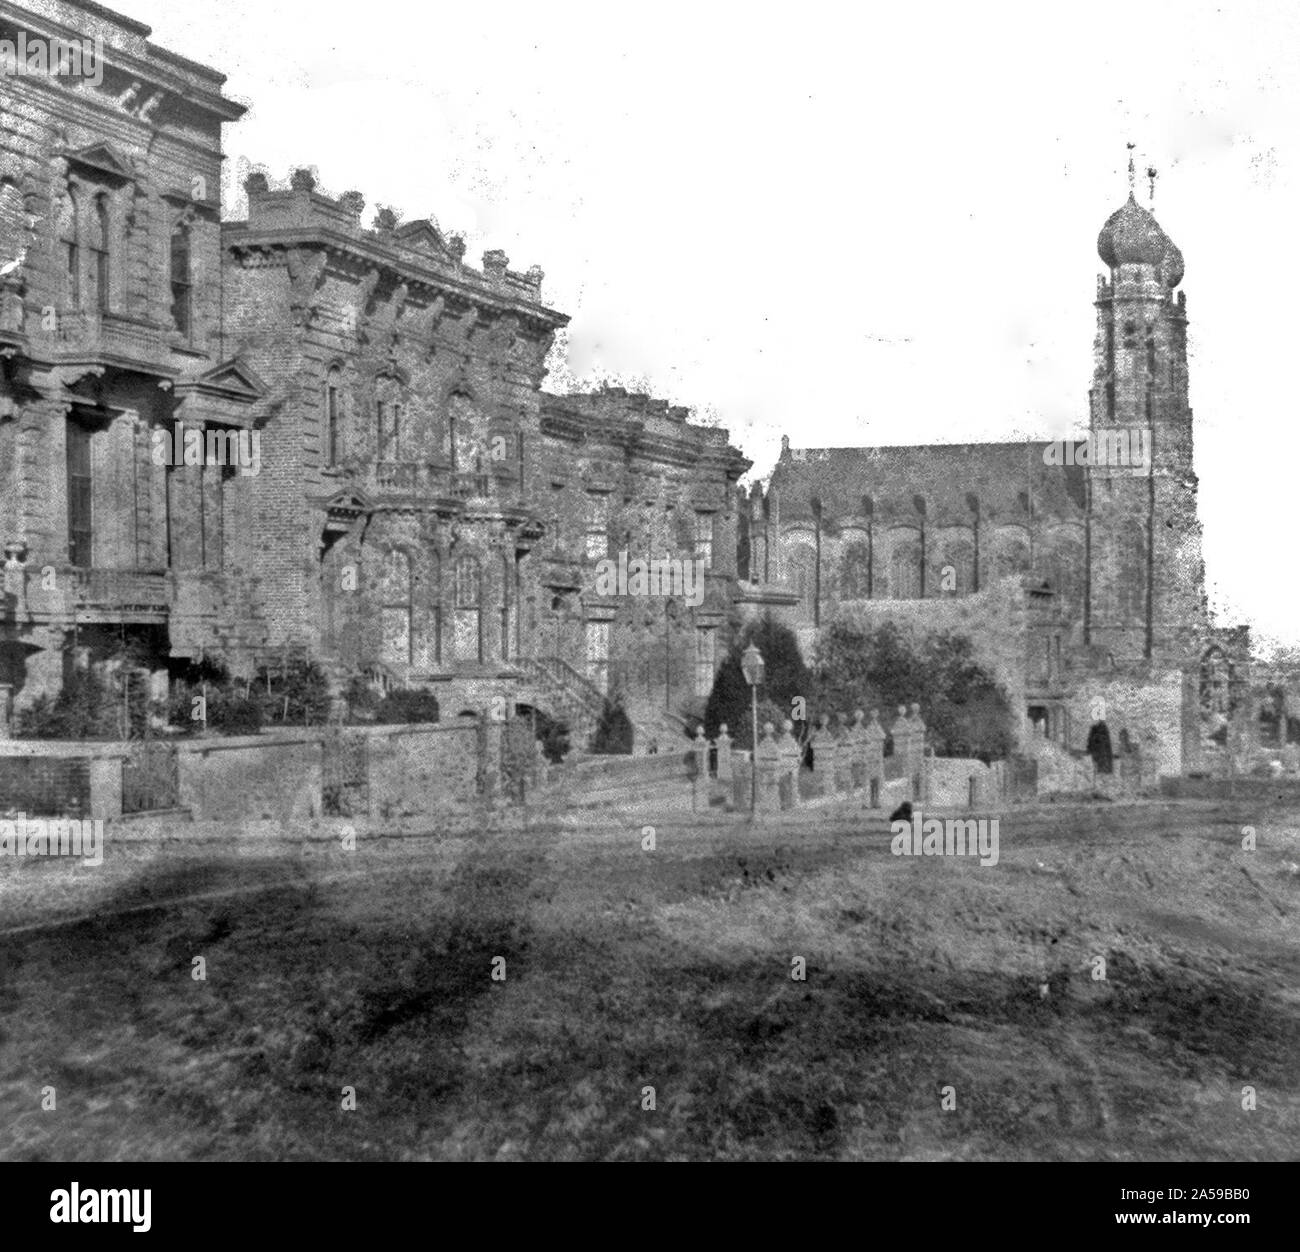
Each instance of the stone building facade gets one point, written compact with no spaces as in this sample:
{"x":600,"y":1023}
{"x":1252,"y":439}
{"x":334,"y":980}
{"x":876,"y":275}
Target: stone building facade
{"x":401,"y":500}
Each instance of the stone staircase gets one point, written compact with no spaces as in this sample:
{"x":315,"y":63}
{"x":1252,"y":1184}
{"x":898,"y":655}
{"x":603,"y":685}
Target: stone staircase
{"x":566,"y":693}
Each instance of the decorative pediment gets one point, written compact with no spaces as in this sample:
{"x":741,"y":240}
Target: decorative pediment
{"x":235,"y":378}
{"x":343,"y":509}
{"x":230,"y":393}
{"x":103,"y":160}
{"x":423,"y":236}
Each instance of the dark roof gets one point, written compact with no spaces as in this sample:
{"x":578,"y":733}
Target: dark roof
{"x":1003,"y":477}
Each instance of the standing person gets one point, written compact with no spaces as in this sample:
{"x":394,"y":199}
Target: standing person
{"x":1099,"y":748}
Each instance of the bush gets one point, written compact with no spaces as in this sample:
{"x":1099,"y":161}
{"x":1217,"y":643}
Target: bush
{"x":553,"y":734}
{"x":406,"y":706}
{"x":295,"y":693}
{"x":613,"y":734}
{"x":966,"y":712}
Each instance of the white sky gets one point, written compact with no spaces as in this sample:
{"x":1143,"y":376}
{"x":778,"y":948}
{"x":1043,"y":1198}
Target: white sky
{"x":852,"y":223}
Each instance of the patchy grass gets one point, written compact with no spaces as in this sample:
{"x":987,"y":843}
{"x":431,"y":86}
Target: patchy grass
{"x":627,"y":970}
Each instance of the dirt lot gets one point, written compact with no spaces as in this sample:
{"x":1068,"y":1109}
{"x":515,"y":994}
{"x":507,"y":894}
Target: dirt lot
{"x":627,"y":969}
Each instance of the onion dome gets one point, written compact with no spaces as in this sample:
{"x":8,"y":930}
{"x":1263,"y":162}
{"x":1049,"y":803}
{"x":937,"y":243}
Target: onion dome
{"x":1132,"y":236}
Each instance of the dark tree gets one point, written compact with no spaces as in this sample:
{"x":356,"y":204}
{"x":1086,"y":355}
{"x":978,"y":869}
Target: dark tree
{"x":613,"y":734}
{"x":786,"y":678}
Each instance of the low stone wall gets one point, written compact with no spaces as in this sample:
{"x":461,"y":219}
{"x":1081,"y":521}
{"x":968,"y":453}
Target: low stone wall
{"x":422,"y":769}
{"x":273,"y":777}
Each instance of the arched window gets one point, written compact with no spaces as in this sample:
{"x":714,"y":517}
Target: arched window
{"x":464,"y":442}
{"x":469,"y":599}
{"x":1060,"y":562}
{"x":802,"y":566}
{"x":855,"y":570}
{"x":181,"y":279}
{"x":99,"y":255}
{"x":396,"y":606}
{"x":905,"y":567}
{"x":333,"y":416}
{"x":1010,"y":554}
{"x":951,"y":566}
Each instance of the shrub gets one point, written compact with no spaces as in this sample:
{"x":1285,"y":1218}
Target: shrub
{"x":966,"y":712}
{"x":295,"y":693}
{"x":406,"y":706}
{"x":613,"y":734}
{"x":553,"y":733}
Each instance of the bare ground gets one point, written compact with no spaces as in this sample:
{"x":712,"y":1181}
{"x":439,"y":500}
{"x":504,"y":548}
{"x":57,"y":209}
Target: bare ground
{"x":627,"y":969}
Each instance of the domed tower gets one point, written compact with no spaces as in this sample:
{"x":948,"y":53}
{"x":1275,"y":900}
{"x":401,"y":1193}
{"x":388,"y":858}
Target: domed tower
{"x":1146,"y":596}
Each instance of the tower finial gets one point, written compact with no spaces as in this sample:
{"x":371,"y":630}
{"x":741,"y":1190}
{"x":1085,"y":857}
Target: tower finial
{"x":1152,"y":175}
{"x":1132,"y":173}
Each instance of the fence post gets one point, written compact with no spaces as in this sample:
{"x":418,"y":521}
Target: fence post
{"x":700,"y":784}
{"x":874,"y":753}
{"x":854,"y":744}
{"x":723,"y":745}
{"x":790,"y":754}
{"x":768,"y":760}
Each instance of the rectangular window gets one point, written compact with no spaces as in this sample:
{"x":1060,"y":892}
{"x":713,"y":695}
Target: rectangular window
{"x":705,"y":661}
{"x":597,"y":654}
{"x":704,"y":539}
{"x":332,"y":421}
{"x":468,"y":624}
{"x":80,"y":520}
{"x":182,"y":294}
{"x":72,"y":257}
{"x":597,"y":527}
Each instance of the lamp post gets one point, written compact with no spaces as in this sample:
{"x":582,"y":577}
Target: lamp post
{"x":753,"y":667}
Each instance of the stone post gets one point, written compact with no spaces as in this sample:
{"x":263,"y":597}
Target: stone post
{"x":723,"y":744}
{"x":873,"y":751}
{"x":789,"y":768}
{"x":828,"y":757}
{"x":768,"y":761}
{"x":844,"y":775}
{"x":918,"y":754}
{"x":853,"y":751}
{"x":700,"y":786}
{"x":819,"y":741}
{"x":901,"y":733}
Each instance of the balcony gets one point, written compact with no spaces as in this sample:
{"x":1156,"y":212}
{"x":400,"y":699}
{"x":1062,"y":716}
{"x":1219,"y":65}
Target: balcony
{"x":110,"y":338}
{"x":432,"y":484}
{"x":120,"y":590}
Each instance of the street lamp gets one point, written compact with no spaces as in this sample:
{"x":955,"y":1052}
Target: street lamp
{"x":753,"y":667}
